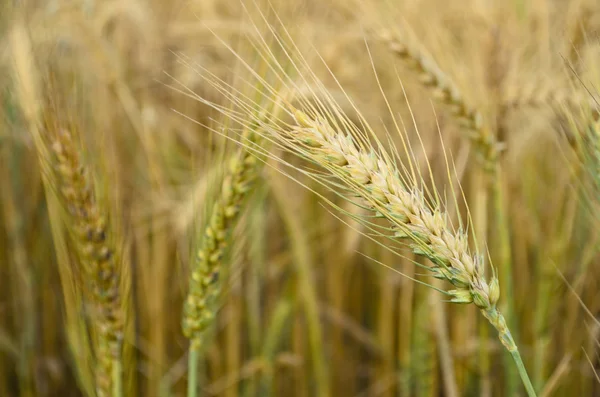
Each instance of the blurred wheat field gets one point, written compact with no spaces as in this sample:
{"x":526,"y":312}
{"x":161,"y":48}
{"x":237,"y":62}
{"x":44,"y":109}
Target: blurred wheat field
{"x":194,"y":196}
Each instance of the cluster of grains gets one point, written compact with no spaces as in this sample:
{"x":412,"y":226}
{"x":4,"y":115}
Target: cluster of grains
{"x":96,"y":253}
{"x":443,"y":90}
{"x":205,"y":285}
{"x":378,"y":182}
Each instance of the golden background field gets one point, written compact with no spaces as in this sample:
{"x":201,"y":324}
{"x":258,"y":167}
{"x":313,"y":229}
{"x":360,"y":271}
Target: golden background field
{"x":306,"y":307}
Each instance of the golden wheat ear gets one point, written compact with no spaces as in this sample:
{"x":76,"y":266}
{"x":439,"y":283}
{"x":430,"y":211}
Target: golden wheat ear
{"x":69,"y":179}
{"x":96,"y":253}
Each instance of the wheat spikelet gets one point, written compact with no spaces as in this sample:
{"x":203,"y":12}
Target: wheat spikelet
{"x":444,"y":91}
{"x":96,"y":252}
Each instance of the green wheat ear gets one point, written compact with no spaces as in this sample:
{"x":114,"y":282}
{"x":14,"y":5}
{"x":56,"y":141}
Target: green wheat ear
{"x":205,"y":283}
{"x":239,"y":180}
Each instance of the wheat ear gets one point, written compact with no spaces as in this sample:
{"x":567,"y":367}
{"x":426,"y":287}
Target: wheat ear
{"x":96,"y":254}
{"x":444,"y":91}
{"x":376,"y":179}
{"x":199,"y":311}
{"x":200,"y":307}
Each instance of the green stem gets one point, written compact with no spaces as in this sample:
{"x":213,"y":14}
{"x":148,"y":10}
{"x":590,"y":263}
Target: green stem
{"x":485,"y":385}
{"x":505,"y":266}
{"x":192,"y":388}
{"x":117,"y":379}
{"x":281,"y":315}
{"x":498,"y":321}
{"x":300,"y":247}
{"x":523,"y":373}
{"x":480,"y":199}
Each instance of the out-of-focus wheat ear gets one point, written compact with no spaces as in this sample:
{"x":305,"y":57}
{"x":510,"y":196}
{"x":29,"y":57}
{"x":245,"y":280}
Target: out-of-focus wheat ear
{"x":23,"y":291}
{"x":205,"y":286}
{"x":445,"y":91}
{"x":97,"y":254}
{"x":541,"y":94}
{"x":28,"y":92}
